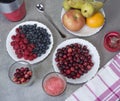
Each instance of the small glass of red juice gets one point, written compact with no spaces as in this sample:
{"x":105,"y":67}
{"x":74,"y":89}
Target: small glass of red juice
{"x":112,"y":41}
{"x":54,"y":84}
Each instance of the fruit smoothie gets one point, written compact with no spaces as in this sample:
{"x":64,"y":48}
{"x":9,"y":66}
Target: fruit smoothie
{"x":54,"y":85}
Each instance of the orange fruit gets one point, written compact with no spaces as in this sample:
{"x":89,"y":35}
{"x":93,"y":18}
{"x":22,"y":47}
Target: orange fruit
{"x":96,"y":20}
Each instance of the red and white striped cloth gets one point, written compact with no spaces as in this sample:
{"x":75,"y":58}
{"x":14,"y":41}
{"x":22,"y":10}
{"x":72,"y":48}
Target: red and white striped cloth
{"x":105,"y":86}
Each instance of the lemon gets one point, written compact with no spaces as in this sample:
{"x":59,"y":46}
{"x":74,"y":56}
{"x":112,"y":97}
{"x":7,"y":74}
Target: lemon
{"x":96,"y":20}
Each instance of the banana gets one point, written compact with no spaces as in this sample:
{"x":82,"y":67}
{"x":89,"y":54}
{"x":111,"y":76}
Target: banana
{"x":90,"y":8}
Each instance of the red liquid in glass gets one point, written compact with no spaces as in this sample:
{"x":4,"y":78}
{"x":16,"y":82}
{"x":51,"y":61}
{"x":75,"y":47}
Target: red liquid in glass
{"x":18,"y":14}
{"x":112,"y":41}
{"x":54,"y":86}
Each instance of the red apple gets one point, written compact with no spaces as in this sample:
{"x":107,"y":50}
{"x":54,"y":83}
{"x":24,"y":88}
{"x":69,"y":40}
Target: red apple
{"x":73,"y":20}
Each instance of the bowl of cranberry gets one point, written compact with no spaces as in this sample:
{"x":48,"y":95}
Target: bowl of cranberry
{"x":21,"y":73}
{"x":77,"y":59}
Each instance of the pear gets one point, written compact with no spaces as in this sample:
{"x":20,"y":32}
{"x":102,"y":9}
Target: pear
{"x":97,"y":5}
{"x":90,"y":8}
{"x":66,"y":5}
{"x":87,"y":10}
{"x":77,"y":4}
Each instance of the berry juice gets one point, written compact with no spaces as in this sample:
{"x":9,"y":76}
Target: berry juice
{"x":54,"y":85}
{"x":13,"y":10}
{"x":112,"y":41}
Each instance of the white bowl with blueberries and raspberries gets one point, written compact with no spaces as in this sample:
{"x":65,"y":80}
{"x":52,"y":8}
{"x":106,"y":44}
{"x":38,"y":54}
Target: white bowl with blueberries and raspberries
{"x":77,"y":59}
{"x":30,"y":41}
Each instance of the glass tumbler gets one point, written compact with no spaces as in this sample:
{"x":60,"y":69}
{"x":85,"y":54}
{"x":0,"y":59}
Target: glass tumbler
{"x":54,"y":84}
{"x":21,"y":73}
{"x":13,"y":10}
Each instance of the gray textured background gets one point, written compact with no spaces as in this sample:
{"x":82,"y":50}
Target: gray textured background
{"x":11,"y":92}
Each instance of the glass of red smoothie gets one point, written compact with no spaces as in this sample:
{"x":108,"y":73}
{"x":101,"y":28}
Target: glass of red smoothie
{"x":54,"y":84}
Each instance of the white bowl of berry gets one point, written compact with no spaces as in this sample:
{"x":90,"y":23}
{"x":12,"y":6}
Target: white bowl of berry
{"x":30,"y":41}
{"x":77,"y":59}
{"x":21,"y":73}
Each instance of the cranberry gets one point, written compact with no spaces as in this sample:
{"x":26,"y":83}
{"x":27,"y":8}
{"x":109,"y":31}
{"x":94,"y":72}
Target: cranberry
{"x":74,"y":60}
{"x":22,"y":75}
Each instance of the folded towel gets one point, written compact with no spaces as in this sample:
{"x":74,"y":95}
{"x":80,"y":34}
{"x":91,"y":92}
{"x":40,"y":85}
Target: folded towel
{"x":105,"y":86}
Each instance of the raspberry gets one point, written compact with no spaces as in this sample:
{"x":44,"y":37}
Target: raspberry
{"x":18,"y":51}
{"x":17,"y":39}
{"x":17,"y":30}
{"x":19,"y":56}
{"x":26,"y":57}
{"x":32,"y":46}
{"x":35,"y":56}
{"x":23,"y":46}
{"x":29,"y":49}
{"x":12,"y":43}
{"x":26,"y":52}
{"x":25,"y":41}
{"x":31,"y":58}
{"x":18,"y":35}
{"x":13,"y":37}
{"x":16,"y":46}
{"x":21,"y":42}
{"x":22,"y":35}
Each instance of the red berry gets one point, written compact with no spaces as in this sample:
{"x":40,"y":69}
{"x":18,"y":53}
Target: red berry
{"x":26,"y":52}
{"x":35,"y":56}
{"x":78,"y":75}
{"x":22,"y":35}
{"x":18,"y":35}
{"x":12,"y":43}
{"x":19,"y":56}
{"x":23,"y":46}
{"x":68,"y":71}
{"x":69,"y":50}
{"x":89,"y":67}
{"x":29,"y":49}
{"x":31,"y":58}
{"x":17,"y":39}
{"x":25,"y":41}
{"x":26,"y":57}
{"x":13,"y":37}
{"x":16,"y":46}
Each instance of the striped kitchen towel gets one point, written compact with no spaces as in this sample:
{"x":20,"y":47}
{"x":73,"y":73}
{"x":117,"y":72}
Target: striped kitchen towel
{"x":105,"y":86}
